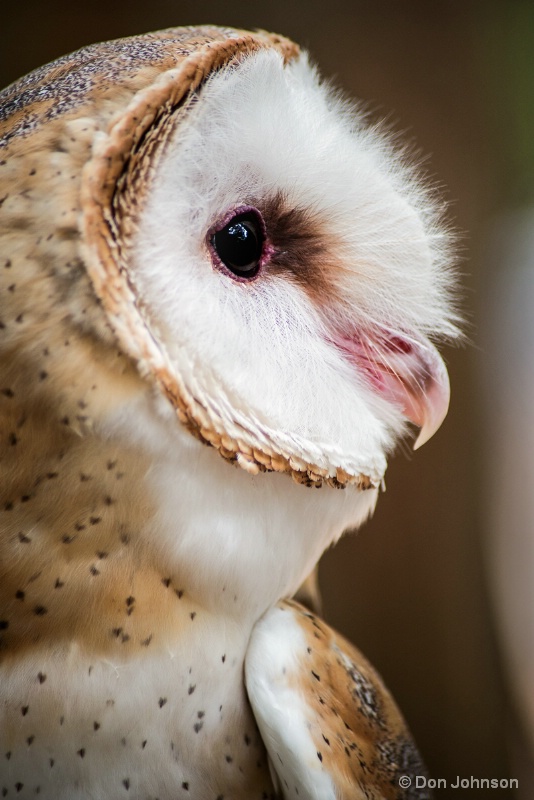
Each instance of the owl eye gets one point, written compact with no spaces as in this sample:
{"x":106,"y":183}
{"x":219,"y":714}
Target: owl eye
{"x":239,"y":245}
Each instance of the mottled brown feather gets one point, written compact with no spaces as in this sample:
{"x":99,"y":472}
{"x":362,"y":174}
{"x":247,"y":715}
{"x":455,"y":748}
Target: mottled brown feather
{"x":361,"y":737}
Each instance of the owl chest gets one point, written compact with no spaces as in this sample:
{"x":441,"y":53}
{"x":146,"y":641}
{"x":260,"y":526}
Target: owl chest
{"x":169,"y":724}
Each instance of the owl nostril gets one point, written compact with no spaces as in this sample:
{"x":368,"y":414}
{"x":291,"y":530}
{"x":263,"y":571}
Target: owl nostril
{"x":399,"y":345}
{"x":239,"y":244}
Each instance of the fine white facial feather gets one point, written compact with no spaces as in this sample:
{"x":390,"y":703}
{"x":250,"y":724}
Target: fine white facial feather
{"x":261,"y":351}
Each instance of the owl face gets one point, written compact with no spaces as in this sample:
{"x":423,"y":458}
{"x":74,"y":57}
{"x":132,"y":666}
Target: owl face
{"x":292,"y":269}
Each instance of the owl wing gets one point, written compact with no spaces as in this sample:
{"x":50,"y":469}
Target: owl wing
{"x":330,"y":726}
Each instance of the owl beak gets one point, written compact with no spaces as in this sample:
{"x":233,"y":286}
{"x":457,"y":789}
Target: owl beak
{"x":408,"y":372}
{"x":427,"y":391}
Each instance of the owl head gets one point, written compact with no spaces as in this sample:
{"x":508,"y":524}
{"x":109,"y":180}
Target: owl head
{"x":260,"y":253}
{"x":290,"y":270}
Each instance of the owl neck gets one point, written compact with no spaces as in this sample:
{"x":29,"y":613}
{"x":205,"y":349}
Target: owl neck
{"x":128,"y":530}
{"x":232,"y":542}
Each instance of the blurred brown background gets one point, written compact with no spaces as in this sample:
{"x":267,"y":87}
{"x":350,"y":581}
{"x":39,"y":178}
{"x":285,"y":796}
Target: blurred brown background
{"x":412,"y":589}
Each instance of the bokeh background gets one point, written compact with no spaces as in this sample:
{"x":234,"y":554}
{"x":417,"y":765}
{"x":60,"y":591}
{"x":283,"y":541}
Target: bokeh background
{"x":435,"y":589}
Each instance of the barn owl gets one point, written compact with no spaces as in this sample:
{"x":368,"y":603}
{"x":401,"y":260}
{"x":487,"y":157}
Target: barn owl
{"x":219,"y":290}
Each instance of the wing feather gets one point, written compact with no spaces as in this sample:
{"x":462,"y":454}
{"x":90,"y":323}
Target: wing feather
{"x":330,"y":726}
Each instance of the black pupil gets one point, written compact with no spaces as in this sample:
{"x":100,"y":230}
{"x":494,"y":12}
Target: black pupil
{"x":239,"y":244}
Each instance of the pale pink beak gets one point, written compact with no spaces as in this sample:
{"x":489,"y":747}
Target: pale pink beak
{"x":406,"y":370}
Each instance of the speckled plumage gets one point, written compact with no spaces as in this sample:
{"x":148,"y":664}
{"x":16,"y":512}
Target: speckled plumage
{"x":134,"y":561}
{"x":357,"y":737}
